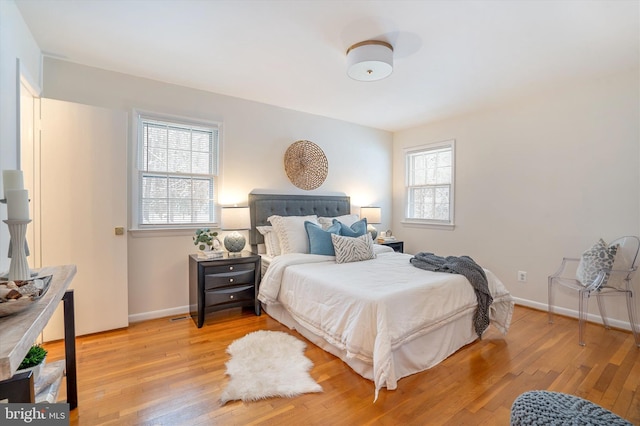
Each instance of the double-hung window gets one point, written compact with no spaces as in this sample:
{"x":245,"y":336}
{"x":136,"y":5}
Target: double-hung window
{"x":177,"y":172}
{"x":430,"y":183}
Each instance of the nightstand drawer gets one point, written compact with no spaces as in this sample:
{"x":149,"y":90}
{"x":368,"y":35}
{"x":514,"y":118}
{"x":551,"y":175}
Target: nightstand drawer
{"x":230,"y":295}
{"x":208,"y":270}
{"x":228,"y":278}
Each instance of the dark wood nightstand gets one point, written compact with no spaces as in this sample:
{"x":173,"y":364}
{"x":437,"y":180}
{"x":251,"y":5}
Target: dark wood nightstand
{"x":227,"y":282}
{"x":395,"y":245}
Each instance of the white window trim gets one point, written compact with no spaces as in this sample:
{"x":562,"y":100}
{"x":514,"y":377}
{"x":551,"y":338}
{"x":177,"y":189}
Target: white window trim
{"x":427,"y":223}
{"x":135,"y":228}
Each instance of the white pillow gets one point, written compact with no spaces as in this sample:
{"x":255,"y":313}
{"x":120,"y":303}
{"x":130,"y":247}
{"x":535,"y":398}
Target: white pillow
{"x":353,"y":249}
{"x":291,"y":232}
{"x":271,"y":242}
{"x":347,"y":219}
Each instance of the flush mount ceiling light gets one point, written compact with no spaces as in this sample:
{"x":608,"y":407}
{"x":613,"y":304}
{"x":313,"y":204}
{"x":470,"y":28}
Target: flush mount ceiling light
{"x":370,"y":60}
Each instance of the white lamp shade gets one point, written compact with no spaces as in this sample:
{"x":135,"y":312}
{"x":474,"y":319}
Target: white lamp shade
{"x":234,"y":218}
{"x":370,"y":60}
{"x":372,"y":214}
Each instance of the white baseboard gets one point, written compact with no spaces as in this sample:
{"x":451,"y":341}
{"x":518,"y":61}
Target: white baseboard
{"x":181,"y":310}
{"x":623,"y":325}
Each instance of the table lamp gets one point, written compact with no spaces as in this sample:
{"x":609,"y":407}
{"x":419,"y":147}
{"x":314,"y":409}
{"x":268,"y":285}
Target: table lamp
{"x":373,"y":215}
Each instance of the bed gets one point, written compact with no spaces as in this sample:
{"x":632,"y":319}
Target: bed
{"x":382,"y":316}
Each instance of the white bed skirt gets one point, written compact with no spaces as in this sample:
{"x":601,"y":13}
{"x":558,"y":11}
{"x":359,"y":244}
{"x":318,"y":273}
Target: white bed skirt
{"x":418,"y":354}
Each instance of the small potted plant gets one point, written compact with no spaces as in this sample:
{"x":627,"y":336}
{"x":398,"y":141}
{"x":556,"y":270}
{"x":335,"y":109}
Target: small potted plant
{"x":34,"y":360}
{"x":206,"y":240}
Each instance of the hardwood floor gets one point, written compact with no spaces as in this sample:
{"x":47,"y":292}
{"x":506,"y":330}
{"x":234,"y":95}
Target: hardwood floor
{"x":168,"y":372}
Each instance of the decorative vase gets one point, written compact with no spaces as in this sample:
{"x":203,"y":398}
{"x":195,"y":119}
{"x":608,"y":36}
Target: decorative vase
{"x":204,"y":249}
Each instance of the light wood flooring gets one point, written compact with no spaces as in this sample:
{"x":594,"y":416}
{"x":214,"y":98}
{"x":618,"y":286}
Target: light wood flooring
{"x":168,"y":372}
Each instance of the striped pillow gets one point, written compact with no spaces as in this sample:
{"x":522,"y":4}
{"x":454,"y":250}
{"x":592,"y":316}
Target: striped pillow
{"x":350,"y":249}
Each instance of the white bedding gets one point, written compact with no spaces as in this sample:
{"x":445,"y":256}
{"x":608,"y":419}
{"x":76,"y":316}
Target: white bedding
{"x":368,"y":310}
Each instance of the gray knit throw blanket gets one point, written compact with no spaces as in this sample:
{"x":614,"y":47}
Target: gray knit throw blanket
{"x":463,"y":265}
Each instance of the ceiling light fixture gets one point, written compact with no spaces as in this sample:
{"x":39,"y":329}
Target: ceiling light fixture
{"x":370,"y":60}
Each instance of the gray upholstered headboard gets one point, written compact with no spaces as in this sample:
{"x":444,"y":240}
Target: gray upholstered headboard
{"x":264,"y":205}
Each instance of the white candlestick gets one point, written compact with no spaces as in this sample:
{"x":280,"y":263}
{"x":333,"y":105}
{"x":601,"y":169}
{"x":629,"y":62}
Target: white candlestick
{"x":19,"y":266}
{"x":17,"y":204}
{"x":12,"y":179}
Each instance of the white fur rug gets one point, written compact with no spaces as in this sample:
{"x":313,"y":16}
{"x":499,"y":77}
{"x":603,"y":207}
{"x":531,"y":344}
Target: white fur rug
{"x":267,"y":364}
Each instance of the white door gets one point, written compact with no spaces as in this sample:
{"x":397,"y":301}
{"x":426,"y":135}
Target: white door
{"x":83,"y":199}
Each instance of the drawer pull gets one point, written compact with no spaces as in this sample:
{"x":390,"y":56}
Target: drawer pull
{"x":230,"y":280}
{"x":231,"y":297}
{"x":231,"y":268}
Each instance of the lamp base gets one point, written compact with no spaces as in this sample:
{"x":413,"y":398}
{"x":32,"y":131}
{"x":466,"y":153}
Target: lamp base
{"x":234,"y":242}
{"x":373,"y":231}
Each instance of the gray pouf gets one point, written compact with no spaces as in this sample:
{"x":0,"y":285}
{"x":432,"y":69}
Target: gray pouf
{"x":554,"y":408}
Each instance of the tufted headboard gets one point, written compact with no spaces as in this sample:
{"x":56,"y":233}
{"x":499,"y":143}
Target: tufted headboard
{"x":264,"y":205}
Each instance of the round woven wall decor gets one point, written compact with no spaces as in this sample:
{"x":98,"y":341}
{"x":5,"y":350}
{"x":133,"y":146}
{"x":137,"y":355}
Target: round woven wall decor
{"x":306,"y":165}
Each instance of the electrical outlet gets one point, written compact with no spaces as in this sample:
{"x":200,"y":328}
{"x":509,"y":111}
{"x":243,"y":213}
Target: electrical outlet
{"x":522,"y":276}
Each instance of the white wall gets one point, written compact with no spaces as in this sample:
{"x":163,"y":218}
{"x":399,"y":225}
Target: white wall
{"x":16,"y":42}
{"x":255,"y":138}
{"x":537,"y":180}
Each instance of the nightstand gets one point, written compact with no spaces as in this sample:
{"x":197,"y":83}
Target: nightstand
{"x":395,"y":245}
{"x":227,"y":282}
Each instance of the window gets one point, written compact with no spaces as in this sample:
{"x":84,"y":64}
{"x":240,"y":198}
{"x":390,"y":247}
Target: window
{"x":430,"y":183}
{"x":177,"y":172}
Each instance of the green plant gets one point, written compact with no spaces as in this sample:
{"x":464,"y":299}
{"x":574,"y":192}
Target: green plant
{"x":34,"y":357}
{"x":203,"y":238}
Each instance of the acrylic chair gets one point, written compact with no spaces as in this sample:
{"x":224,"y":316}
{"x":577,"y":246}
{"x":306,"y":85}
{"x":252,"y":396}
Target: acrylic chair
{"x":618,"y":283}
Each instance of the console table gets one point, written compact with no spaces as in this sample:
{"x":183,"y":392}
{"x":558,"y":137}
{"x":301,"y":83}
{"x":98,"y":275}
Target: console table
{"x":19,"y":331}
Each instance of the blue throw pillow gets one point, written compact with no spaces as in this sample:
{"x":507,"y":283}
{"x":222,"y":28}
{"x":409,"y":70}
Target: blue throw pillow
{"x":358,"y":228}
{"x":320,"y":239}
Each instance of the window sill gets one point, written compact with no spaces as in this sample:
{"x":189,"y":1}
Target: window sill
{"x":428,"y":225}
{"x":164,"y":232}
